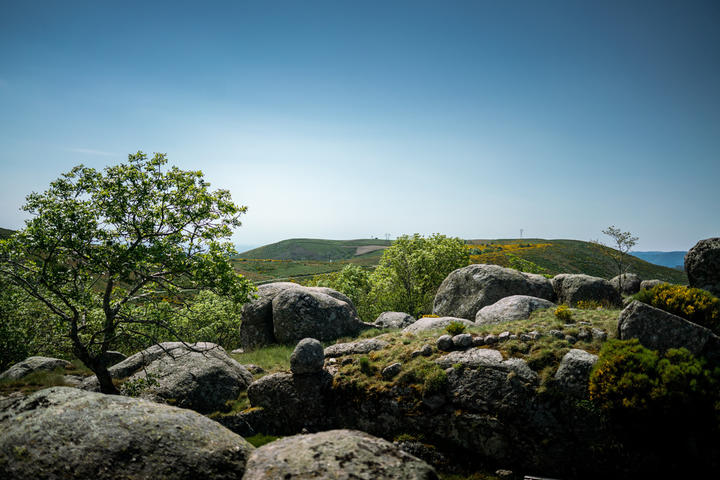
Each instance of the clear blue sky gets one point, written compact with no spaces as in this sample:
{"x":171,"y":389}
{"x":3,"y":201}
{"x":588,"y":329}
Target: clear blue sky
{"x":348,"y":119}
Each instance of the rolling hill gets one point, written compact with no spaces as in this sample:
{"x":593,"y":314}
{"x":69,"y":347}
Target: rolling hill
{"x":5,"y":233}
{"x":302,"y":258}
{"x":317,"y":249}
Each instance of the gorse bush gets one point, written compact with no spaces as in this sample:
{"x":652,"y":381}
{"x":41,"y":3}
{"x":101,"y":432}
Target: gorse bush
{"x":630,"y":381}
{"x":455,"y":328}
{"x":694,"y":304}
{"x":563,"y":313}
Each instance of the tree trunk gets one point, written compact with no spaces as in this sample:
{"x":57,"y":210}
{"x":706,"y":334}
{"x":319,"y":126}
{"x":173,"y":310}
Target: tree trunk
{"x":104,"y":378}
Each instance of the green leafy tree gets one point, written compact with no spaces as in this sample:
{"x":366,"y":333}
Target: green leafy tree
{"x":354,"y":281}
{"x":623,"y":242}
{"x":412,"y":269}
{"x":102,"y":247}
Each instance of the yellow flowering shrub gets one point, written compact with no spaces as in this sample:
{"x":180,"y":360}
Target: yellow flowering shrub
{"x":694,"y":304}
{"x":563,"y":313}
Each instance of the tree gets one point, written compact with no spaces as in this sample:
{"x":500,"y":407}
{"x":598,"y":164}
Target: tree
{"x":623,"y":242}
{"x":104,"y":248}
{"x":412,"y":269}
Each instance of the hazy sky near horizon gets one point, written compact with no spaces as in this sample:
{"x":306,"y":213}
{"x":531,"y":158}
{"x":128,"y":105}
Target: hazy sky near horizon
{"x":347,"y":119}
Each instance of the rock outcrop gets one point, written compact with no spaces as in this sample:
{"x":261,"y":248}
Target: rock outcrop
{"x":574,"y":371}
{"x":572,"y":288}
{"x":468,"y":289}
{"x":286,"y":312}
{"x":393,"y":320}
{"x":434,"y":323}
{"x":648,"y":284}
{"x":514,"y":307}
{"x":33,"y":364}
{"x":659,"y":330}
{"x":702,"y":265}
{"x":336,"y":455}
{"x":350,"y":348}
{"x":64,"y":432}
{"x":201,"y":377}
{"x":626,"y":284}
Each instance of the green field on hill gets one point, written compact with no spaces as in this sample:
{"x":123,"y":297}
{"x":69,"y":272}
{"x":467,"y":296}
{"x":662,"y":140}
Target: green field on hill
{"x":296,"y":259}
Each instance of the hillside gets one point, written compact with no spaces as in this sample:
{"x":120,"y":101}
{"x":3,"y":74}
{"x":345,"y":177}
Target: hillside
{"x":301,"y":258}
{"x":317,"y":249}
{"x":4,"y":233}
{"x":567,"y":256}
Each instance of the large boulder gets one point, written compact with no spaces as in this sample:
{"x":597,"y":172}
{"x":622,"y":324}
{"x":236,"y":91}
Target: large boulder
{"x":574,"y":372}
{"x":572,"y":288}
{"x":293,"y":402}
{"x":256,"y":329}
{"x":648,"y":284}
{"x":702,"y":265}
{"x":313,"y":312}
{"x":199,"y":376}
{"x":659,"y":330}
{"x":33,"y":364}
{"x":336,"y":455}
{"x":203,"y":381}
{"x":434,"y":323}
{"x":514,"y":307}
{"x":286,"y":312}
{"x":307,"y":358}
{"x":627,"y":283}
{"x":468,"y":289}
{"x":63,"y":432}
{"x":393,"y":320}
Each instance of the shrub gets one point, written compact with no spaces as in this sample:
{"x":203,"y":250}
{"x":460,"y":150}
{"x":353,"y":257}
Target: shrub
{"x":365,"y":366}
{"x":435,"y":382}
{"x":589,"y":305}
{"x":455,"y":328}
{"x":694,"y":304}
{"x":563,"y":313}
{"x":631,"y":381}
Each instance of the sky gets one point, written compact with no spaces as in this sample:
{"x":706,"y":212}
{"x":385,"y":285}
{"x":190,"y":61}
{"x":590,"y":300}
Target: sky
{"x":344,"y":120}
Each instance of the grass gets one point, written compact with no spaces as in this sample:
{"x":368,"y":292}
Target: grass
{"x":274,"y":358}
{"x":259,"y":440}
{"x":43,"y":379}
{"x":543,"y":355}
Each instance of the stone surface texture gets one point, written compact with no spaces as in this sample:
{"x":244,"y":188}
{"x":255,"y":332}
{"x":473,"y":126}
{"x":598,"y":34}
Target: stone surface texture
{"x":64,"y":432}
{"x":508,"y":309}
{"x":336,"y":455}
{"x":468,"y":289}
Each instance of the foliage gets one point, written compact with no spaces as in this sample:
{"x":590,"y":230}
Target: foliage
{"x":355,"y":282}
{"x":630,"y":380}
{"x":102,"y":247}
{"x":694,"y":304}
{"x":523,"y":265}
{"x":623,"y":242}
{"x":26,"y":328}
{"x":455,"y":328}
{"x":133,"y":388}
{"x":435,"y":382}
{"x":365,"y":366}
{"x":589,"y":305}
{"x":411,"y":270}
{"x":563,"y":313}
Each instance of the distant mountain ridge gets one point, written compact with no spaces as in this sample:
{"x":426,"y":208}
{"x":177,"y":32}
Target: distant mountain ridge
{"x":674,"y":259}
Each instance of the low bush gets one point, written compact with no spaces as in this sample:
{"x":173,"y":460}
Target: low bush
{"x":563,"y":313}
{"x":455,"y":328}
{"x":694,"y":304}
{"x":630,"y":381}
